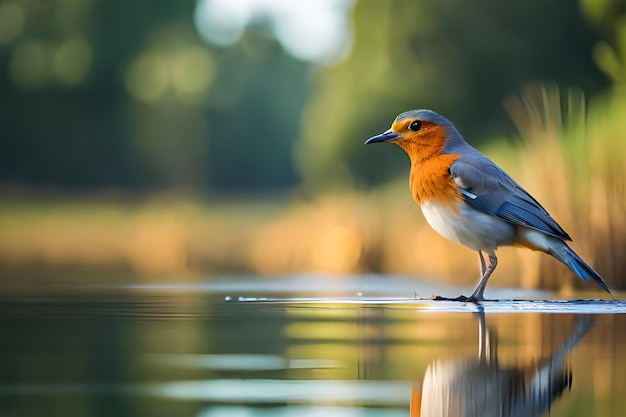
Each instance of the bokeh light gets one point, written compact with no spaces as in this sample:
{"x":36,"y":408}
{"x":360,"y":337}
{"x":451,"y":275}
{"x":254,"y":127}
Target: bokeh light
{"x":147,"y":77}
{"x":187,"y":72}
{"x":11,"y":22}
{"x":72,"y":61}
{"x":30,"y":64}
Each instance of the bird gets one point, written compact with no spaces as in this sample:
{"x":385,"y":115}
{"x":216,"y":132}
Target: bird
{"x":468,"y":199}
{"x":483,"y":385}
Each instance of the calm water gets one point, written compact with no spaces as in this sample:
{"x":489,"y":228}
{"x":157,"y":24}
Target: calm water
{"x":310,"y":349}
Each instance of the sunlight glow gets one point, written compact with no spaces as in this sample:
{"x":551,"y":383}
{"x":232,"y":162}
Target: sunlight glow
{"x":314,"y":30}
{"x":188,"y":73}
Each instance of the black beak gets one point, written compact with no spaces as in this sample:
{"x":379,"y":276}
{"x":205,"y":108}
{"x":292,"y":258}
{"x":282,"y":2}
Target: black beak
{"x":383,"y":137}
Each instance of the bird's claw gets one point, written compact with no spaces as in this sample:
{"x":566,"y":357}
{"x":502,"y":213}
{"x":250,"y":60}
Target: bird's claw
{"x":460,"y":298}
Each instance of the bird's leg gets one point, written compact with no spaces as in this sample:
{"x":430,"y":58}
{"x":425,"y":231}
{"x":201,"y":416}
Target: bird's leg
{"x":483,"y":336}
{"x":483,"y":266}
{"x":485,"y":272}
{"x":477,"y":295}
{"x":487,"y":343}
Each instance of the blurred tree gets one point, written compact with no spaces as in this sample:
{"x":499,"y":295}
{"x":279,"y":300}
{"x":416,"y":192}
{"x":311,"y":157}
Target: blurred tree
{"x":256,"y":108}
{"x":114,"y":94}
{"x":461,"y":59}
{"x":609,"y":16}
{"x":605,"y":14}
{"x":99,"y":93}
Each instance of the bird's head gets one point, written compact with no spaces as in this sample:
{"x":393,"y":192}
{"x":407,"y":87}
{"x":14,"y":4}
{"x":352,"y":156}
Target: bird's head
{"x":420,"y":133}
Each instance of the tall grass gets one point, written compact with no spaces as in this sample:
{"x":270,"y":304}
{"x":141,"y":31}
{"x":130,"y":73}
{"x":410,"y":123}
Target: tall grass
{"x":572,"y":159}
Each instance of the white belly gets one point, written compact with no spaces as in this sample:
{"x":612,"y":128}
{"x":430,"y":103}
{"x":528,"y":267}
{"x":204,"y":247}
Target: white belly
{"x":469,"y":227}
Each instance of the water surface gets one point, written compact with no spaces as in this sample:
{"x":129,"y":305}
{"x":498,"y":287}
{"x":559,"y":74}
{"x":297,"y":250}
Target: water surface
{"x":302,"y":347}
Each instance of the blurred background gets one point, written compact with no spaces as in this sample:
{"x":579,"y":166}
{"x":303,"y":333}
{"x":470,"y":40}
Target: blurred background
{"x":175,"y":140}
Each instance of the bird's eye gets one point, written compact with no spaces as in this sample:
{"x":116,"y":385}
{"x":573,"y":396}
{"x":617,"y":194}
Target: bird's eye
{"x":415,"y":125}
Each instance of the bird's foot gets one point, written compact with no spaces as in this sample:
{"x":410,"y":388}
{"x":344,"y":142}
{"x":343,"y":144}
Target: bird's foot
{"x":460,"y":298}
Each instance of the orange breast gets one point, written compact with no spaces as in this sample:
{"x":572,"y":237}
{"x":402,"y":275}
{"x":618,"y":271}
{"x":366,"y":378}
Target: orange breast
{"x":431,"y":181}
{"x":430,"y":169}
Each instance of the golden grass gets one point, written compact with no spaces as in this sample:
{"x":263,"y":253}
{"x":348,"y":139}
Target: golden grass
{"x":379,"y":231}
{"x":575,"y":169}
{"x":573,"y":163}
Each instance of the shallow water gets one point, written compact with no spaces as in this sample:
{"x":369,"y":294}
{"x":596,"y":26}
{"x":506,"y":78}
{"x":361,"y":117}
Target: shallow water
{"x":306,"y":346}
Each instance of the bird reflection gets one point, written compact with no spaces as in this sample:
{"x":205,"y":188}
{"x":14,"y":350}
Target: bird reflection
{"x":481,"y":387}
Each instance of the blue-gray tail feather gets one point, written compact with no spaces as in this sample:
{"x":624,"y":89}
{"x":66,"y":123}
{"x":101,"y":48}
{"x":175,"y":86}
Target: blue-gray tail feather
{"x":566,"y":255}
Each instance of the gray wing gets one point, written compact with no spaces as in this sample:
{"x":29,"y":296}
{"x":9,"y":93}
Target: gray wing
{"x":487,"y":188}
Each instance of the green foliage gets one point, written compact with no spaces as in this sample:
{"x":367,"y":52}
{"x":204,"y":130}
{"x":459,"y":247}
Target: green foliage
{"x":99,"y":94}
{"x":610,"y":53}
{"x":461,"y":59}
